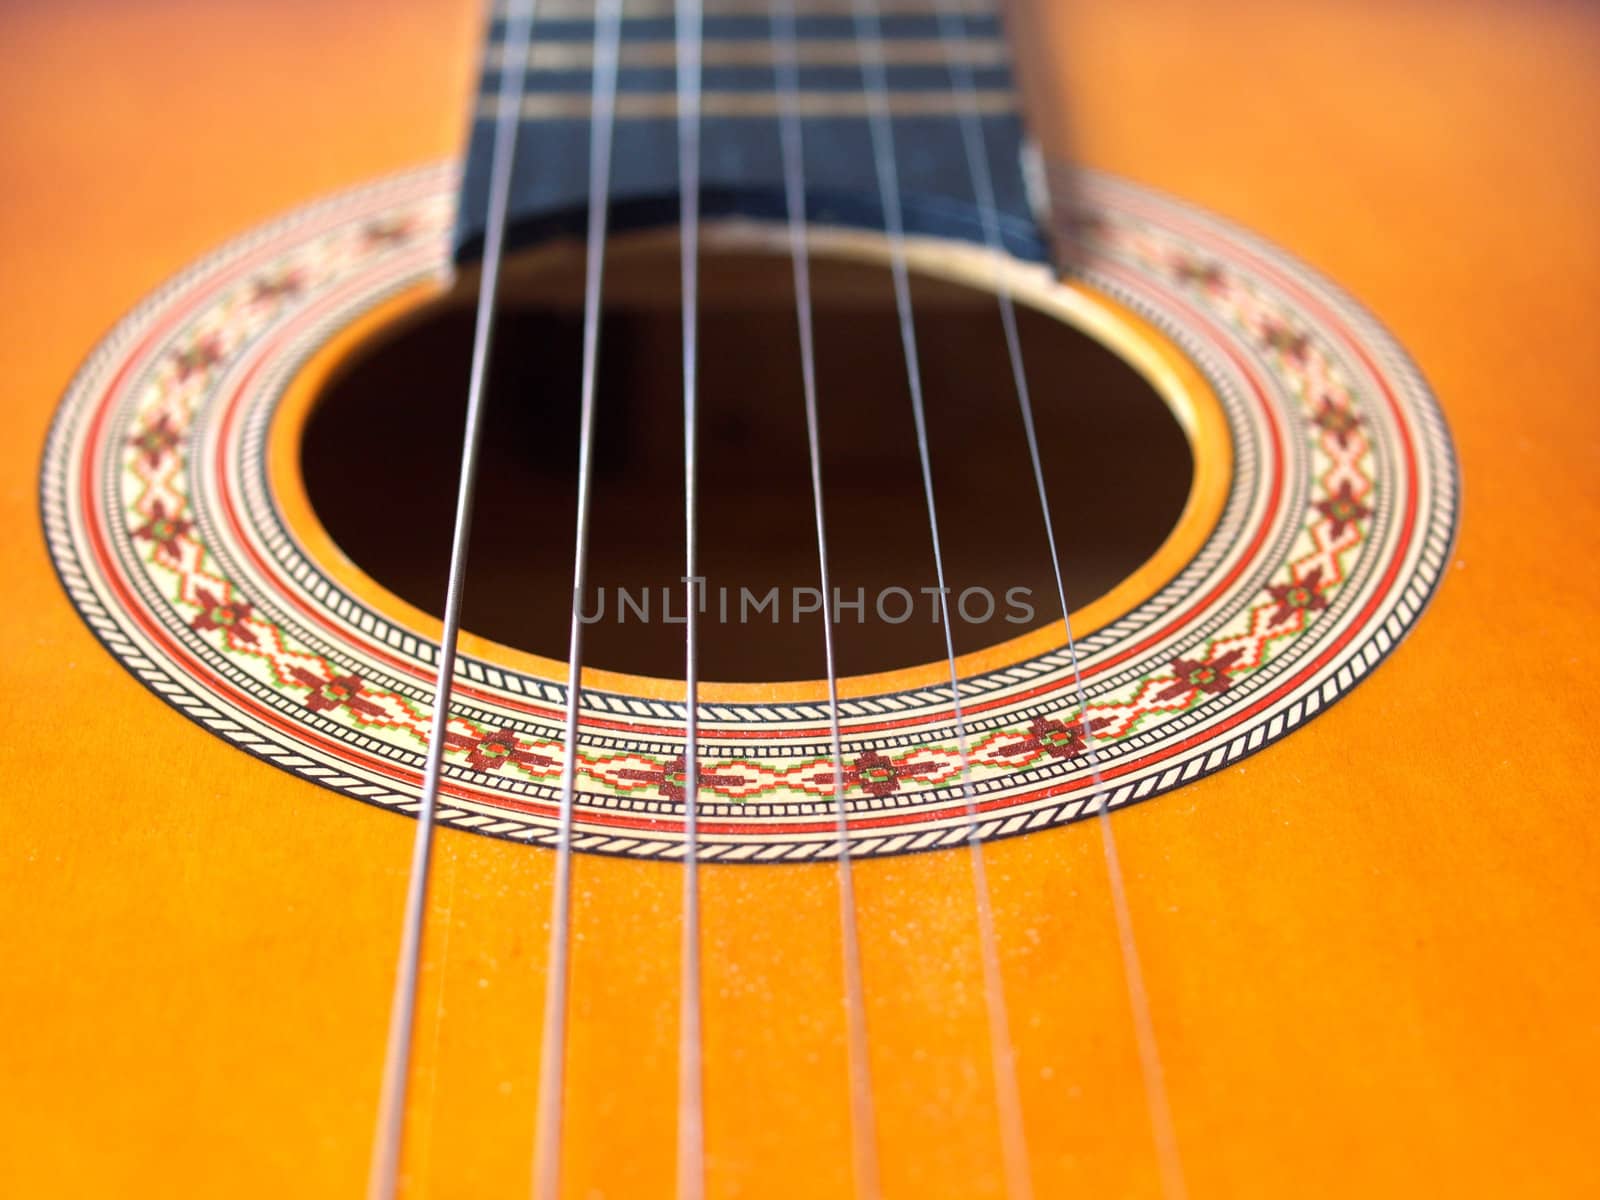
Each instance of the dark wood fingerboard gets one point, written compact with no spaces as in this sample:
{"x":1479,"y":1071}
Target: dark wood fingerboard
{"x":741,"y":171}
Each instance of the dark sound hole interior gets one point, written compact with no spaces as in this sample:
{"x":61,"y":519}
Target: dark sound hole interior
{"x":382,"y":449}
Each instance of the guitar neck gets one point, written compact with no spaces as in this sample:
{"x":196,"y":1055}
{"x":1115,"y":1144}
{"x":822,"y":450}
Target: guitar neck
{"x":943,"y":61}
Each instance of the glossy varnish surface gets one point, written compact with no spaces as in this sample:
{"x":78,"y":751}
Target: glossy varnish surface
{"x":1370,"y":950}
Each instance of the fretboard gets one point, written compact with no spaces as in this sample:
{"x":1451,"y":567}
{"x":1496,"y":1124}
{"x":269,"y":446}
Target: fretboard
{"x":742,"y":173}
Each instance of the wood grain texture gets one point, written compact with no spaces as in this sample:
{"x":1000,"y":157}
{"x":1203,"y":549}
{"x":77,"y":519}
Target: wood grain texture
{"x":1371,"y":950}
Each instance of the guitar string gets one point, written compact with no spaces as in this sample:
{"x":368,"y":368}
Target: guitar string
{"x":953,"y":34}
{"x":691,"y":1141}
{"x":1014,"y":1153}
{"x":447,"y":919}
{"x":863,"y":1122}
{"x":691,"y":1113}
{"x":552,"y":1060}
{"x":383,"y":1170}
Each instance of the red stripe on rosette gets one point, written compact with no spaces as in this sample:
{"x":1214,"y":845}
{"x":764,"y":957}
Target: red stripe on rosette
{"x":1334,"y":323}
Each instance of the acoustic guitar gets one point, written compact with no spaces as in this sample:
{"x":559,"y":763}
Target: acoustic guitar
{"x":800,"y":598}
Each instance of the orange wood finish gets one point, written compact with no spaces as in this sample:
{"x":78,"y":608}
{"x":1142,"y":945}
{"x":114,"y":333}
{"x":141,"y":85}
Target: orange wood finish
{"x":1370,"y":951}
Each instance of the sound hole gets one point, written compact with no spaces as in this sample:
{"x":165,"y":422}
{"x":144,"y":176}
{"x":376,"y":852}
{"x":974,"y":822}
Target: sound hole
{"x":382,"y":447}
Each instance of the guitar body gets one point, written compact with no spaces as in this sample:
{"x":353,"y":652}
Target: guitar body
{"x":1369,"y":951}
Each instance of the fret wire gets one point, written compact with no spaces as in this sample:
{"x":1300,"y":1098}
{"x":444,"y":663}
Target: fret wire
{"x":976,"y":150}
{"x":383,"y":1172}
{"x":863,"y":1121}
{"x":1019,"y":1183}
{"x":841,"y":52}
{"x":648,"y":9}
{"x":664,"y":105}
{"x":691,"y":1116}
{"x":552,"y":1061}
